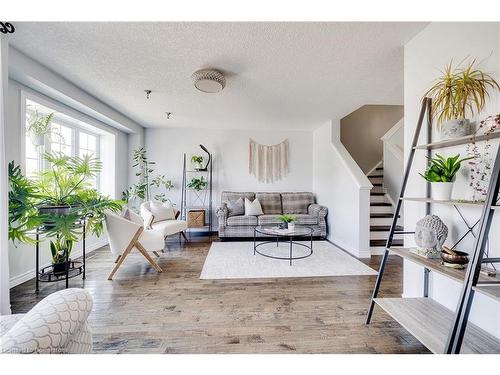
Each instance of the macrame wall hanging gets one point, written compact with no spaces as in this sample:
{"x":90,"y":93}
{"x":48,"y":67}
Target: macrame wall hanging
{"x":268,"y":163}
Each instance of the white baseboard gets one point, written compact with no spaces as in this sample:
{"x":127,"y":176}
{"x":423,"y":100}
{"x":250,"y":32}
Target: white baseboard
{"x":28,"y":275}
{"x":354,"y":252}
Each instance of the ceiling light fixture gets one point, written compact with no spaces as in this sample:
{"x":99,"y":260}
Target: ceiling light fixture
{"x":209,"y":80}
{"x":148,"y":92}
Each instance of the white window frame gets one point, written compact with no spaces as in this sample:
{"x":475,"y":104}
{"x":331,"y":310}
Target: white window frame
{"x":75,"y":132}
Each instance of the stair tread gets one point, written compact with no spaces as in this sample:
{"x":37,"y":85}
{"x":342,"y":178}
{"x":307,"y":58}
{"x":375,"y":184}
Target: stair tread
{"x":377,"y":243}
{"x":381,"y":204}
{"x":382,"y":215}
{"x":379,"y":168}
{"x":377,"y":184}
{"x":376,"y":176}
{"x":377,"y":193}
{"x":384,"y":228}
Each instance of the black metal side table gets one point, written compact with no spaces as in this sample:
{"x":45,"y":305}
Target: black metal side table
{"x":73,"y":268}
{"x":298,"y":232}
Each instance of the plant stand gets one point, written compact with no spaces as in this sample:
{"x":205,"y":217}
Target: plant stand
{"x":47,"y":275}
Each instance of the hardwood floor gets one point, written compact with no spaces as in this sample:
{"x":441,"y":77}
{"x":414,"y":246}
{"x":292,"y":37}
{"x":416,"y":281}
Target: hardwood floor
{"x":141,"y":311}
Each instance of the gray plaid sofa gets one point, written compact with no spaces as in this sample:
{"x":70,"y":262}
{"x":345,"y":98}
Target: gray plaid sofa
{"x":302,"y":205}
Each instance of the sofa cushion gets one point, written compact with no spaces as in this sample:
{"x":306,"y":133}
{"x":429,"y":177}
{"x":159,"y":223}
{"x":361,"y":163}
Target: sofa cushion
{"x":233,"y":196}
{"x":253,"y":208}
{"x":270,"y":202}
{"x":235,"y":208}
{"x":296,"y":203}
{"x":168,"y":227}
{"x":242,"y":220}
{"x":302,"y":219}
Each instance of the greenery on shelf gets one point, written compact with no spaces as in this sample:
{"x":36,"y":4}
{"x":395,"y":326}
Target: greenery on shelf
{"x":197,"y":159}
{"x":55,"y":201}
{"x":142,"y":190}
{"x":443,"y":169}
{"x":287,"y":218}
{"x":59,"y":248}
{"x":460,"y":91}
{"x":198,"y":183}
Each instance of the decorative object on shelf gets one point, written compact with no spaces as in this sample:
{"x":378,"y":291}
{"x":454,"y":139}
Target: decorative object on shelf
{"x":287,"y":222}
{"x":148,"y":93}
{"x":39,"y":126}
{"x":268,"y":163}
{"x":441,"y":174}
{"x":196,"y":218}
{"x":451,"y":256}
{"x":430,"y":234}
{"x":209,"y":80}
{"x":141,"y":190}
{"x":459,"y":92}
{"x":480,"y":166}
{"x":198,"y":183}
{"x":205,"y":168}
{"x":197,"y":161}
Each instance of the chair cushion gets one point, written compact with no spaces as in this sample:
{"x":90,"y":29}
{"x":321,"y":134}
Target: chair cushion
{"x":235,"y":208}
{"x":242,"y":220}
{"x":169,"y":227}
{"x":296,"y":203}
{"x":302,"y":219}
{"x":162,"y":211}
{"x":152,"y":240}
{"x":233,"y":196}
{"x":7,"y":322}
{"x":253,"y":208}
{"x":270,"y":202}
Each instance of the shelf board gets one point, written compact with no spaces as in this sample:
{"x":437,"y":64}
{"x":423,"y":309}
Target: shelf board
{"x":449,"y":203}
{"x":457,"y":141}
{"x":192,"y":171}
{"x":430,"y":323}
{"x":435,"y":265}
{"x":492,"y":291}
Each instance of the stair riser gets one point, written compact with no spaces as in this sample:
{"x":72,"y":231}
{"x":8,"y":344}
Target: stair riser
{"x":382,"y":221}
{"x":376,"y":180}
{"x":381,"y":209}
{"x":378,"y":199}
{"x":376,"y":250}
{"x":382,"y":235}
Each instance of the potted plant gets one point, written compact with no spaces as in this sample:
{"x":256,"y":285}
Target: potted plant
{"x":55,"y":202}
{"x":60,"y":250}
{"x":197,"y":161}
{"x":457,"y":93}
{"x":198,"y":184}
{"x":38,"y":127}
{"x":288,"y":221}
{"x":441,"y":174}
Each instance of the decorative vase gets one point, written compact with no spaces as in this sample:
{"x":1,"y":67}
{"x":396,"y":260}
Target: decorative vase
{"x":456,"y":128}
{"x":198,"y":166}
{"x":430,"y":234}
{"x":37,"y":139}
{"x":283,"y":226}
{"x":441,"y":191}
{"x":291,"y":226}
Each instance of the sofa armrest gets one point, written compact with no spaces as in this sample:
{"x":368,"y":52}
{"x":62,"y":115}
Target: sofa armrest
{"x":222,"y":214}
{"x":317,"y":210}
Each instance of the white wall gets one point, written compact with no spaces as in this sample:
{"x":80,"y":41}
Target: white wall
{"x":341,"y":186}
{"x":230,"y":150}
{"x":393,"y":146}
{"x":425,"y":55}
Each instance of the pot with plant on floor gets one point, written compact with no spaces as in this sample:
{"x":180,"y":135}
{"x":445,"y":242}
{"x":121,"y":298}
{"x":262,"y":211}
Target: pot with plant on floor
{"x":197,"y":162}
{"x":441,"y":174}
{"x":287,"y":222}
{"x":457,"y":93}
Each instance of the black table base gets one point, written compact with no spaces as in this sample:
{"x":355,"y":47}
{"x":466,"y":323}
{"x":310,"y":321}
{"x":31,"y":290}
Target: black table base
{"x":291,"y":242}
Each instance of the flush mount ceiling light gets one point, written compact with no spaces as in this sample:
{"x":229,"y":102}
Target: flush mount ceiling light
{"x":209,"y":80}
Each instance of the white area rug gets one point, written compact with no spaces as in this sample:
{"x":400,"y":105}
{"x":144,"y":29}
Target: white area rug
{"x":235,"y":260}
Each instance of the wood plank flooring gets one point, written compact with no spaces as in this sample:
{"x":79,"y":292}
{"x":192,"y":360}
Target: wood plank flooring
{"x":141,"y":311}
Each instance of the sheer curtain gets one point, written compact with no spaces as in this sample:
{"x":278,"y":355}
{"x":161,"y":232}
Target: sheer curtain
{"x":4,"y":249}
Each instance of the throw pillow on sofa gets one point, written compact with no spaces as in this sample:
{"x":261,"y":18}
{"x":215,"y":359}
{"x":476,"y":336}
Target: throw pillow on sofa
{"x":162,"y":211}
{"x":235,"y":208}
{"x":253,"y":208}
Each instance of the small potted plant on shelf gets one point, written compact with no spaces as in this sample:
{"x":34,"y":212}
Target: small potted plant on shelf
{"x":38,"y":127}
{"x":197,"y":161}
{"x":441,"y":174}
{"x":457,"y":93}
{"x":288,"y":221}
{"x":60,"y":250}
{"x":198,"y":184}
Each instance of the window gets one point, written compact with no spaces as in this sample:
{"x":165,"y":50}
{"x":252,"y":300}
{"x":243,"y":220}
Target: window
{"x":68,"y":136}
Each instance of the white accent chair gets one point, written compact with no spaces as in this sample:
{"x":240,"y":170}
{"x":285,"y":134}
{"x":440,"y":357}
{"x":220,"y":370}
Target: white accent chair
{"x":57,"y":324}
{"x":165,"y":227}
{"x":125,"y":235}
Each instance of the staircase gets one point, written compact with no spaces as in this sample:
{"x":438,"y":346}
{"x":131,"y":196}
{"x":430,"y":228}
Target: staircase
{"x":381,"y":213}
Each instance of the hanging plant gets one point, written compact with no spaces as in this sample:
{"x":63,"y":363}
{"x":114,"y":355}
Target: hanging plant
{"x":39,"y":126}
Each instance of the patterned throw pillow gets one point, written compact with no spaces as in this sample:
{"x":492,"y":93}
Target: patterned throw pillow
{"x":236,"y":208}
{"x":253,"y":208}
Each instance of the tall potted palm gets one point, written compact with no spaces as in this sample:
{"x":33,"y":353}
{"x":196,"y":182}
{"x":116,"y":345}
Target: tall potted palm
{"x":458,"y":93}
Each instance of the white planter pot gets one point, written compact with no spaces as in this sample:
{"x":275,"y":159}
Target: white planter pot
{"x":37,"y":139}
{"x":441,"y":191}
{"x":291,"y":226}
{"x":456,"y":128}
{"x":198,"y":166}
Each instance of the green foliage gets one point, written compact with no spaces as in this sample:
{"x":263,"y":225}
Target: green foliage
{"x":39,"y":125}
{"x":162,"y":182}
{"x":460,"y":91}
{"x":64,"y":184}
{"x":197,"y":159}
{"x":443,"y":169}
{"x":59,"y":248}
{"x":287,"y":218}
{"x":198,"y":183}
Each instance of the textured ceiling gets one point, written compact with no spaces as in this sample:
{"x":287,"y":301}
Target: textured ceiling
{"x":279,"y":75}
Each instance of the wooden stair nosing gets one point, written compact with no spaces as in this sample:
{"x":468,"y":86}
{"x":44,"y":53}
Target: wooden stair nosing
{"x":384,"y":228}
{"x":377,"y":216}
{"x":377,"y":193}
{"x":380,"y":243}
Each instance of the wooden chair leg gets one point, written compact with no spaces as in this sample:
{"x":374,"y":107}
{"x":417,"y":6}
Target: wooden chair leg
{"x":118,"y":258}
{"x":156,"y":253}
{"x":129,"y":248}
{"x":185,"y":237}
{"x":144,"y":252}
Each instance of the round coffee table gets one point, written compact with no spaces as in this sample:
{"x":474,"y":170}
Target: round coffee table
{"x":274,"y":231}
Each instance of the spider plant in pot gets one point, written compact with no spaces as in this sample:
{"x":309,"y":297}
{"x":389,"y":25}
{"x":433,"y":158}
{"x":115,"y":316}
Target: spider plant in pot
{"x":441,"y":174}
{"x":458,"y":93}
{"x":288,"y":221}
{"x":38,"y":127}
{"x":197,"y":161}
